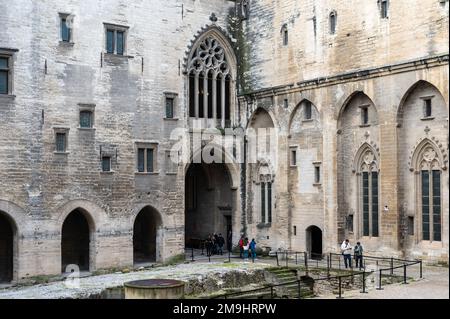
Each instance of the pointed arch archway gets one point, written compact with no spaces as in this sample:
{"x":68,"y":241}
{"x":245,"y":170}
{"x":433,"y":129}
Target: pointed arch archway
{"x":422,"y":136}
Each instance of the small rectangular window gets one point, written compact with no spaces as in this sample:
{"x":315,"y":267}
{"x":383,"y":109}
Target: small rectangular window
{"x":60,"y":142}
{"x":308,"y":110}
{"x":384,"y":9}
{"x":286,"y":103}
{"x":428,"y":108}
{"x":293,"y":157}
{"x":317,"y":174}
{"x":295,"y":230}
{"x":410,"y":226}
{"x":65,"y":30}
{"x":149,"y":160}
{"x":141,"y":160}
{"x":169,"y":107}
{"x":364,"y":115}
{"x":120,"y":42}
{"x":4,"y":75}
{"x":110,"y":41}
{"x":86,"y":119}
{"x":285,"y":37}
{"x":106,"y":163}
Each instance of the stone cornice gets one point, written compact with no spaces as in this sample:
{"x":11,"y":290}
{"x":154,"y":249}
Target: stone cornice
{"x":363,"y":74}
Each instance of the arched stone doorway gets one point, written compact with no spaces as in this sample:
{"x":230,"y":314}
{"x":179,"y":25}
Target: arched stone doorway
{"x":75,"y":241}
{"x":6,"y":249}
{"x":209,"y":202}
{"x":314,"y":242}
{"x":147,"y":232}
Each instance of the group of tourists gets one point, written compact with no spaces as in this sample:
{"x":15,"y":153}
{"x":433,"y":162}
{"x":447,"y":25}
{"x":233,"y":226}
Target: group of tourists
{"x":247,"y":248}
{"x":347,"y":251}
{"x":214,"y":244}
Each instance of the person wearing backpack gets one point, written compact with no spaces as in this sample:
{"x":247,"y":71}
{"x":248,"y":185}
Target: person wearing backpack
{"x":359,"y":255}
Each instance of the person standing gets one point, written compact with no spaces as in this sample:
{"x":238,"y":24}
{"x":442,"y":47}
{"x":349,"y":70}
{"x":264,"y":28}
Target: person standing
{"x":246,"y":248}
{"x":220,"y":243}
{"x":359,"y":255}
{"x":241,"y":247}
{"x":346,"y":249}
{"x":253,"y":248}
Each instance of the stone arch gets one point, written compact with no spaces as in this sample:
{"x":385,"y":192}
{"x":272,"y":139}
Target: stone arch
{"x":409,"y":91}
{"x":299,"y":107}
{"x":257,"y":112}
{"x":366,"y":100}
{"x":211,"y":69}
{"x":219,"y":34}
{"x":229,"y":162}
{"x":95,"y":218}
{"x":361,"y":158}
{"x":15,"y":216}
{"x":435,"y":155}
{"x":147,"y":228}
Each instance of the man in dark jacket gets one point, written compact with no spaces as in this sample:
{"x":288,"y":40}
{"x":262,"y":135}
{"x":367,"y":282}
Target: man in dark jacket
{"x":220,"y":243}
{"x":359,"y":255}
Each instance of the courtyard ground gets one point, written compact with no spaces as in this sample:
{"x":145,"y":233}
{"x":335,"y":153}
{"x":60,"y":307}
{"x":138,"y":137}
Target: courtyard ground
{"x":434,"y":285}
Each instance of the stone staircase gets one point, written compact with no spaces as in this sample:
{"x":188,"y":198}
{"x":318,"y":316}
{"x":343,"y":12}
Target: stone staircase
{"x":281,"y":276}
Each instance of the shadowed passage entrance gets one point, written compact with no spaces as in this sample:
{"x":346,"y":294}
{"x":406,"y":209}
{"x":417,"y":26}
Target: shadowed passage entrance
{"x":6,"y":249}
{"x":209,"y":202}
{"x":147,"y":234}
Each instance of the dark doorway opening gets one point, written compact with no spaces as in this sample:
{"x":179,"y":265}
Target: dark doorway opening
{"x":75,"y":241}
{"x":6,"y":249}
{"x":145,"y":236}
{"x":208,"y":203}
{"x":314,"y":242}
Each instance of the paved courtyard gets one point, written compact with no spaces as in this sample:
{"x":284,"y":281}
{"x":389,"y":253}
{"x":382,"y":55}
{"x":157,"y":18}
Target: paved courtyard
{"x":434,"y":285}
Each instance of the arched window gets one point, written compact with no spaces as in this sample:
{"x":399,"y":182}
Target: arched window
{"x":285,"y":34}
{"x":428,"y":170}
{"x":266,"y":182}
{"x":209,"y":82}
{"x":333,"y":22}
{"x":368,"y":178}
{"x":384,"y":8}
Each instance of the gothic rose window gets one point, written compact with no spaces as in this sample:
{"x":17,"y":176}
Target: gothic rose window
{"x":209,"y":82}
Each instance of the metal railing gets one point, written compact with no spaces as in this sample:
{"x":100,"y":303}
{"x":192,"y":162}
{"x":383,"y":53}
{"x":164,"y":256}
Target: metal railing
{"x":332,"y":261}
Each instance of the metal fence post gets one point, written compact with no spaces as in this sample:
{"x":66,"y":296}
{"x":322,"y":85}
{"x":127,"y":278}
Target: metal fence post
{"x":404,"y":275}
{"x":340,"y":288}
{"x":278,"y":263}
{"x":271,"y":292}
{"x":229,"y":256}
{"x":299,"y":290}
{"x":364,"y":283}
{"x":296,"y":261}
{"x":287,"y":260}
{"x":209,"y":257}
{"x":328,"y":266}
{"x":392,"y":266}
{"x":305,"y":254}
{"x":340,"y":263}
{"x":192,"y":254}
{"x":421,"y":274}
{"x":331,"y":260}
{"x":379,"y":283}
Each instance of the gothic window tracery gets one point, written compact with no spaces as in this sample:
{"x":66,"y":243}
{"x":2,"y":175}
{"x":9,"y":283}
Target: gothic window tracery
{"x":429,"y":172}
{"x":210,"y":82}
{"x":369,"y":193}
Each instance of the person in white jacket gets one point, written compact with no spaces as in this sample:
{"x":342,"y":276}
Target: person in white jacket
{"x":346,"y":249}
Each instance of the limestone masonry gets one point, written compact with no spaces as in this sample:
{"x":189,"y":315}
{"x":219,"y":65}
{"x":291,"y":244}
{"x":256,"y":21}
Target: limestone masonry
{"x":94,"y":96}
